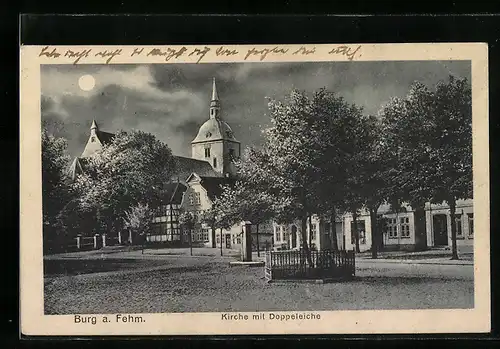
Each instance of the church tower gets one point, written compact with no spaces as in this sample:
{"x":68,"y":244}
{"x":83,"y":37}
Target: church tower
{"x":215,"y":142}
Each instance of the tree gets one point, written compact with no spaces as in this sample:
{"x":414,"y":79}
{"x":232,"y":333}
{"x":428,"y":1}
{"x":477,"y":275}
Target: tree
{"x":245,"y":202}
{"x":376,"y":175}
{"x":338,"y":127}
{"x":187,"y":221}
{"x":306,"y":158}
{"x":56,"y":193}
{"x":452,"y":144}
{"x":124,"y":173}
{"x":292,"y":147}
{"x":138,"y":220}
{"x":429,"y":132}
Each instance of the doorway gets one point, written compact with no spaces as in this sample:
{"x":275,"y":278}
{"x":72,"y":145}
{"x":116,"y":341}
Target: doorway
{"x":440,"y":229}
{"x":294,"y":236}
{"x":228,"y":240}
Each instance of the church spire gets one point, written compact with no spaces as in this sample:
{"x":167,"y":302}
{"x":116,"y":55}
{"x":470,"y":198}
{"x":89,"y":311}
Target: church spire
{"x":215,"y":96}
{"x":214,"y":103}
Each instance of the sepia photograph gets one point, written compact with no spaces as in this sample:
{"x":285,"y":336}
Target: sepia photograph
{"x":273,"y":190}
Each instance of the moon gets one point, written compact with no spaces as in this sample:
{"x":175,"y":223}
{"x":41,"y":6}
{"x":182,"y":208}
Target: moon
{"x":86,"y":82}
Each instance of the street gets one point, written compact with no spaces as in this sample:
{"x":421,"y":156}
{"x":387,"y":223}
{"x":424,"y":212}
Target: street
{"x":130,"y":282}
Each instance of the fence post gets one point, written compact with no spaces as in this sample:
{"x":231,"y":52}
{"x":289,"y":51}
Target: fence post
{"x":119,"y":237}
{"x":95,"y":241}
{"x":103,"y":240}
{"x":78,"y":242}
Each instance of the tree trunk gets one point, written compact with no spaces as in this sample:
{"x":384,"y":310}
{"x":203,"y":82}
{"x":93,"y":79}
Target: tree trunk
{"x":214,"y":244}
{"x":333,"y":233}
{"x":303,"y":232}
{"x":356,"y":232}
{"x":420,"y":230}
{"x":375,"y":232}
{"x":220,"y":241}
{"x":190,"y":243}
{"x":257,"y":237}
{"x":454,"y":250}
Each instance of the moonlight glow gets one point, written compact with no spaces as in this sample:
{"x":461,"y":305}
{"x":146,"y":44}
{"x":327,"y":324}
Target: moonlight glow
{"x":86,"y":82}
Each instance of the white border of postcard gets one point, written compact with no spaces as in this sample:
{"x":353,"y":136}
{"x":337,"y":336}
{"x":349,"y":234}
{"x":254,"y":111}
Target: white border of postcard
{"x":33,"y":320}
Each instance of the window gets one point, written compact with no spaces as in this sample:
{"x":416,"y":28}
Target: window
{"x":314,"y":229}
{"x":458,"y":225}
{"x":238,"y":240}
{"x":92,"y":139}
{"x":471,"y":224}
{"x":278,"y":236}
{"x":405,"y":227}
{"x":205,"y":235}
{"x":194,"y":199}
{"x":215,"y":162}
{"x":392,"y":228}
{"x":207,"y":152}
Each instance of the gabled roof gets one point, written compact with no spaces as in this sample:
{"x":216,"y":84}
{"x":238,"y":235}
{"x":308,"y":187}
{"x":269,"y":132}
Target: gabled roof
{"x":77,"y":167}
{"x":213,"y":185}
{"x":172,"y":192}
{"x":104,"y":137}
{"x":186,"y":166}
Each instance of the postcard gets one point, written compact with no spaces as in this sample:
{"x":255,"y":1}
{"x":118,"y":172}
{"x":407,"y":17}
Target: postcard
{"x":254,"y":189}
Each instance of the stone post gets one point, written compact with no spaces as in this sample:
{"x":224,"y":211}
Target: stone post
{"x":130,"y":236}
{"x":95,"y":241}
{"x":103,"y":240}
{"x":78,"y":242}
{"x":246,"y":242}
{"x":119,"y":237}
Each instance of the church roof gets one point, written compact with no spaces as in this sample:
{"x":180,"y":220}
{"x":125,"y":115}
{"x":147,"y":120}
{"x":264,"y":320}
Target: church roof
{"x":214,"y":129}
{"x":104,"y":137}
{"x":186,"y":166}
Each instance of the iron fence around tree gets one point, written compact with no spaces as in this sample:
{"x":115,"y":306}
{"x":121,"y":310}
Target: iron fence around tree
{"x":324,"y":264}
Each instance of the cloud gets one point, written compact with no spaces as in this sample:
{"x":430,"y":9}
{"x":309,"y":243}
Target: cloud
{"x":171,"y":100}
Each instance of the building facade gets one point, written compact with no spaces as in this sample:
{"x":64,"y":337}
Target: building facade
{"x":399,"y":229}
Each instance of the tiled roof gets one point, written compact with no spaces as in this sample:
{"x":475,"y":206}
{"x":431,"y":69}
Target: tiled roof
{"x":186,"y":166}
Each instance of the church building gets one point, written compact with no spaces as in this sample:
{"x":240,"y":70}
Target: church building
{"x":195,"y":183}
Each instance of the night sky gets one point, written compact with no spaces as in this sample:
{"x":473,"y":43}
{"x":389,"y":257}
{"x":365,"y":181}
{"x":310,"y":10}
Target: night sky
{"x":171,"y":101}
